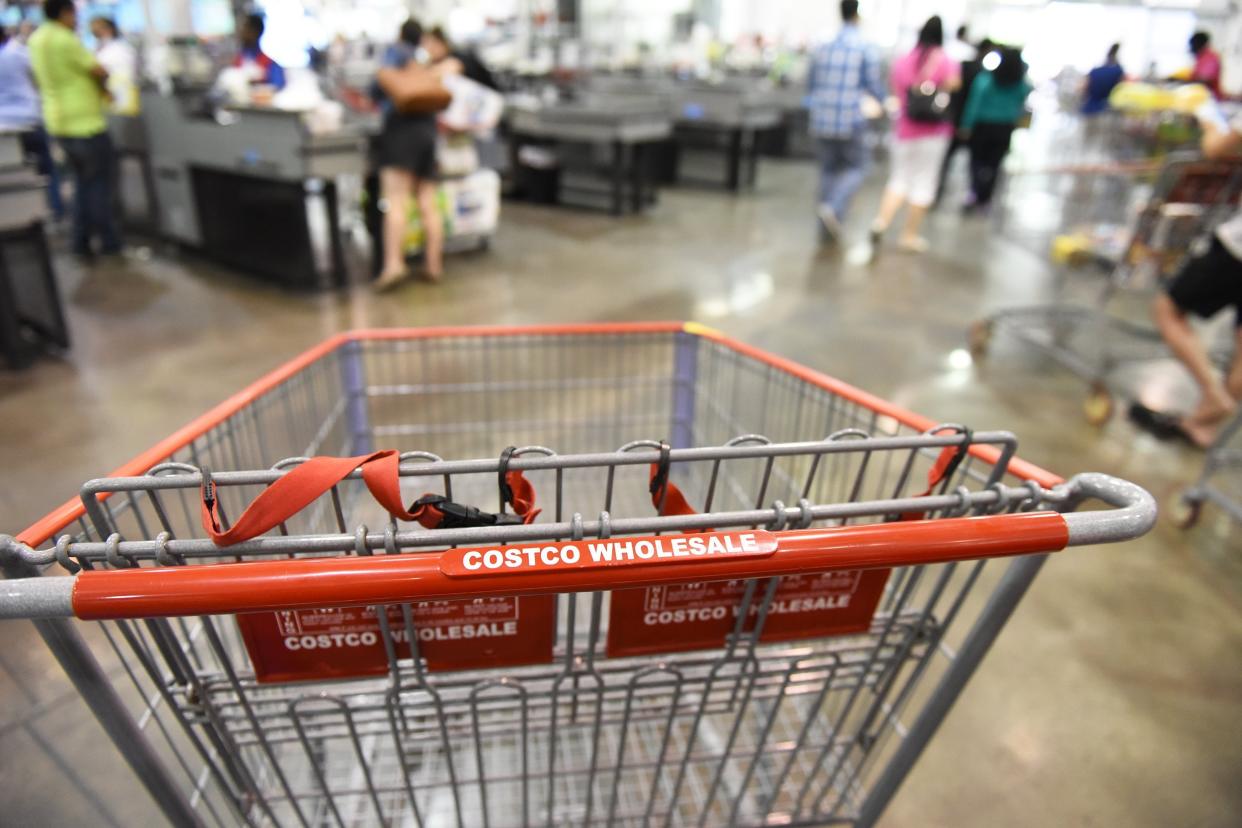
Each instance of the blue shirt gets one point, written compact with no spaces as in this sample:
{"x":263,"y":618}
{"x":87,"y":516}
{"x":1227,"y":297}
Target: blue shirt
{"x":841,"y":70}
{"x":19,"y":101}
{"x":1100,"y":83}
{"x":273,"y":72}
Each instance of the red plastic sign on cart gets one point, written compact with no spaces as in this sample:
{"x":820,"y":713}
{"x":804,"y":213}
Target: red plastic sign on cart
{"x":699,"y":616}
{"x":340,"y":643}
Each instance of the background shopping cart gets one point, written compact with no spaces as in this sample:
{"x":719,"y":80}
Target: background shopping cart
{"x":792,"y":709}
{"x":1066,"y":208}
{"x":1220,"y":481}
{"x":1096,"y":326}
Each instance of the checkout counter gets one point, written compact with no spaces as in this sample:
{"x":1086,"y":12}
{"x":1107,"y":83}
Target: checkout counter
{"x":136,"y":179}
{"x":251,"y":187}
{"x":31,"y":315}
{"x":727,"y":118}
{"x":791,"y":138}
{"x":712,"y":123}
{"x":602,"y":146}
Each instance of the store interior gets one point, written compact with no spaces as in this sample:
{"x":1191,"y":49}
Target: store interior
{"x":645,"y":162}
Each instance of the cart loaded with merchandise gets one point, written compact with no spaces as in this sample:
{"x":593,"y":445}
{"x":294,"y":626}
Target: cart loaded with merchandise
{"x":629,"y":574}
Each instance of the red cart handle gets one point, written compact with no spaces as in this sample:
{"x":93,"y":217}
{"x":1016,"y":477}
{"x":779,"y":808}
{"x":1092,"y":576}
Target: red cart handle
{"x":259,"y":586}
{"x":302,"y":485}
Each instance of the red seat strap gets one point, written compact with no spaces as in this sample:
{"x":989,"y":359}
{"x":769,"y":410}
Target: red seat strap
{"x":301,"y":485}
{"x":666,"y":497}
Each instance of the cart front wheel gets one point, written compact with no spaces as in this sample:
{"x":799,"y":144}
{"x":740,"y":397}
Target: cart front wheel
{"x":1098,"y":407}
{"x":980,"y":337}
{"x":1185,"y":513}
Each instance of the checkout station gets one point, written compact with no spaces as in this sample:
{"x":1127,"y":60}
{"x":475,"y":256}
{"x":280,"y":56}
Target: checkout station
{"x":726,"y":119}
{"x":646,"y":132}
{"x":286,"y":195}
{"x":31,"y":314}
{"x":212,"y":175}
{"x":614,"y":134}
{"x":253,"y":188}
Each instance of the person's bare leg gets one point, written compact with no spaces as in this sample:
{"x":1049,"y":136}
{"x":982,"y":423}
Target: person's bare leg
{"x":1215,"y":403}
{"x":395,"y":189}
{"x":433,"y":229}
{"x":889,"y":205}
{"x":910,"y":238}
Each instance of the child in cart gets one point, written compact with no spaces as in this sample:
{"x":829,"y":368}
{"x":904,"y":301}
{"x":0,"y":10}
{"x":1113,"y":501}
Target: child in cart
{"x":1210,"y":281}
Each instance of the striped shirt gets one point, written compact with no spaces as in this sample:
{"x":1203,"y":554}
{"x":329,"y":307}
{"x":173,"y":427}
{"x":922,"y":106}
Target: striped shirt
{"x":841,"y":71}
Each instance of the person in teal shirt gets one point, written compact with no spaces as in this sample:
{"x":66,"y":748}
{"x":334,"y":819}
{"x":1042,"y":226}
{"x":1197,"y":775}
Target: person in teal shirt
{"x":997,"y":102}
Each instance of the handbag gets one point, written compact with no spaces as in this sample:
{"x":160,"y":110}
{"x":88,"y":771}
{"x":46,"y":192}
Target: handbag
{"x":413,"y":89}
{"x":928,"y":104}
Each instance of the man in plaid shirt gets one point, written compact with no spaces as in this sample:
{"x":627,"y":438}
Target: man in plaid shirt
{"x":842,"y":70}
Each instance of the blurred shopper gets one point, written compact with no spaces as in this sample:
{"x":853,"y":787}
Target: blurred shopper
{"x":72,"y":84}
{"x":20,"y":112}
{"x":1101,"y":81}
{"x":1209,"y":282}
{"x":456,"y":61}
{"x":923,"y":80}
{"x":970,"y":70}
{"x":997,"y":102}
{"x":407,"y":161}
{"x":120,"y":61}
{"x":842,"y":71}
{"x":263,"y":70}
{"x":960,"y":48}
{"x":1206,"y":69}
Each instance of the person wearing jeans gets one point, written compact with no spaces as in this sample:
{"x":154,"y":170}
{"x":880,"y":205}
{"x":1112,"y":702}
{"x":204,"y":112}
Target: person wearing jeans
{"x":842,"y":71}
{"x":20,"y":112}
{"x":93,"y":163}
{"x":71,"y":83}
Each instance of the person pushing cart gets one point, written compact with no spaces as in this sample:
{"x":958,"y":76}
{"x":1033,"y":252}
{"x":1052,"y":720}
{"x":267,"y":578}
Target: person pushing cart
{"x":1209,"y":282}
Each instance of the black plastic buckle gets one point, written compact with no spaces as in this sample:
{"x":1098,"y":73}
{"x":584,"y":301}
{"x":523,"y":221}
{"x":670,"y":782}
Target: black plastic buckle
{"x":506,"y":491}
{"x":460,"y":516}
{"x":208,"y":488}
{"x":660,"y":480}
{"x":968,"y":439}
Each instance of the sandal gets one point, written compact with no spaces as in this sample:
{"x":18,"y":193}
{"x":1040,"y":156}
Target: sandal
{"x":1160,"y":425}
{"x":388,"y":281}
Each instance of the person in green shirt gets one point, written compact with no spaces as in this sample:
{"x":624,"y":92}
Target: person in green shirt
{"x":71,"y":83}
{"x":996,"y":103}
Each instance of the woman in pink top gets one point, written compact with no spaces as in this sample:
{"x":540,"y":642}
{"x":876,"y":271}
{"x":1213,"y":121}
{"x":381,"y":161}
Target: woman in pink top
{"x":920,"y":146}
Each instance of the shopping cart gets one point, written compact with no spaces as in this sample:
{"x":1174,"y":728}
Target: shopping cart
{"x":1094,"y":327}
{"x":1061,"y":207}
{"x":760,"y":615}
{"x":1220,"y":482}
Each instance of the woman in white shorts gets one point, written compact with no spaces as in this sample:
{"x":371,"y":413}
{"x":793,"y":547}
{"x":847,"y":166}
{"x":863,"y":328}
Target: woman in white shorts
{"x":921,"y":144}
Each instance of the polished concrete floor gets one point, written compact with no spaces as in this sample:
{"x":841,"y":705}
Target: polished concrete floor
{"x":1114,"y":697}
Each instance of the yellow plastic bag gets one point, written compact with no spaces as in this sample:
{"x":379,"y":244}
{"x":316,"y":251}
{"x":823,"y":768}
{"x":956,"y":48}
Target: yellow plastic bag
{"x":1071,"y":248}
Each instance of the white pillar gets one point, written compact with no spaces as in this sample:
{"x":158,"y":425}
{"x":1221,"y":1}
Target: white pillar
{"x":1231,"y":48}
{"x":177,"y":12}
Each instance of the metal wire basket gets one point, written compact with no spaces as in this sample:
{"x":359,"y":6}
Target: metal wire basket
{"x":738,"y":592}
